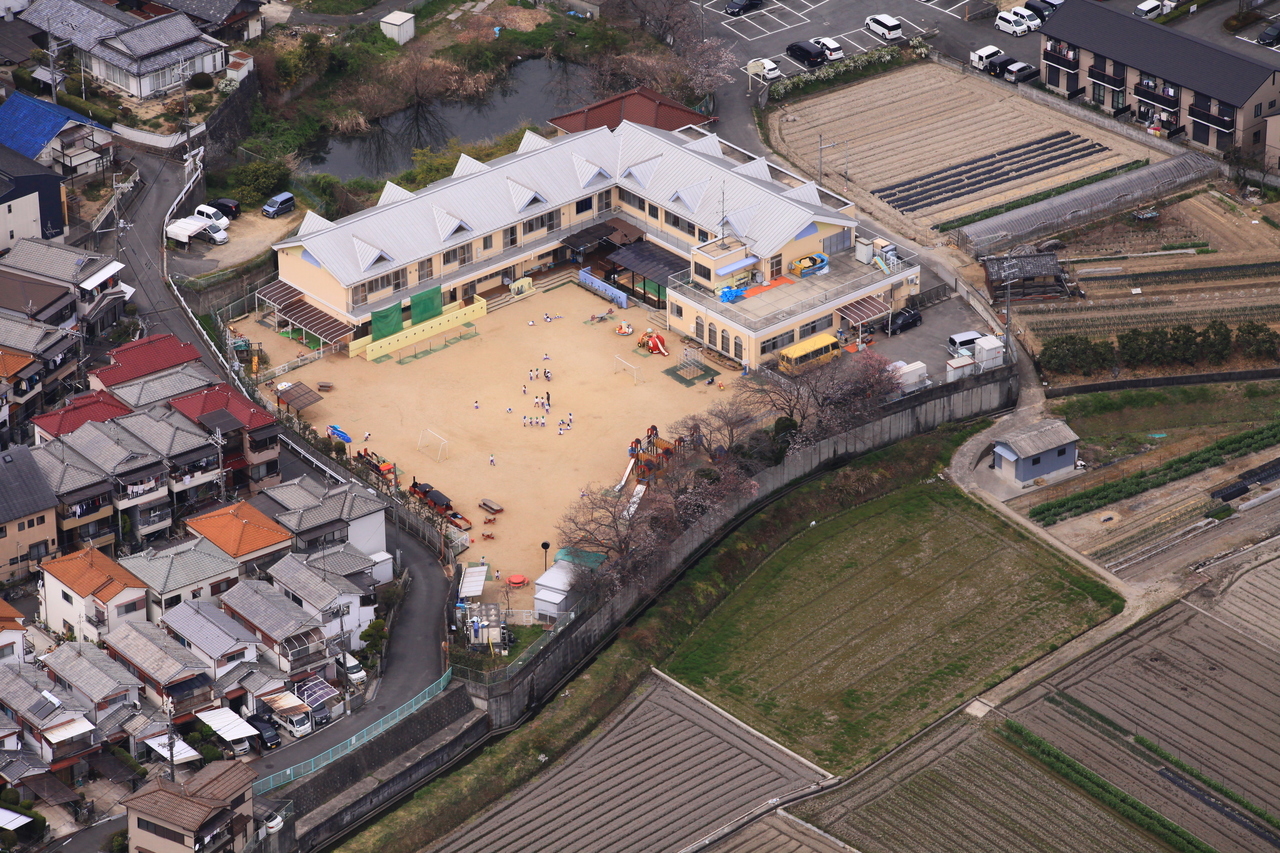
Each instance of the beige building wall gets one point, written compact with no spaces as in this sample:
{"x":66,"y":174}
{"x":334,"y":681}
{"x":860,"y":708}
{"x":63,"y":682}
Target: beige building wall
{"x":20,"y":534}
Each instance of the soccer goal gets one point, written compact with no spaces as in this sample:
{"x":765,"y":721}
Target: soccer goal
{"x":430,"y":441}
{"x":621,"y":366}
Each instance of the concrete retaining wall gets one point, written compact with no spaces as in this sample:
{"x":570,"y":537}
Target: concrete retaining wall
{"x":1166,"y":381}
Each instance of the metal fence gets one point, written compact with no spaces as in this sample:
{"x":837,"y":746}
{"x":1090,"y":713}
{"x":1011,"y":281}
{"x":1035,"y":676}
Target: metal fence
{"x":311,"y":765}
{"x":508,"y":672}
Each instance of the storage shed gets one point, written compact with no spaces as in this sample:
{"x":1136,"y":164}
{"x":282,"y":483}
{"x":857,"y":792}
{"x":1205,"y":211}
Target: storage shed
{"x":1028,"y":278}
{"x":552,"y":590}
{"x":1038,"y":450}
{"x":397,"y":26}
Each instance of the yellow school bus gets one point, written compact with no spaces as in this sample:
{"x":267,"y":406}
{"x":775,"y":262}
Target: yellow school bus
{"x":818,"y":349}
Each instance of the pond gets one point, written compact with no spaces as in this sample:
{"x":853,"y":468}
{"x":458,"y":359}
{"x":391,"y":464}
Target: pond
{"x":533,"y":91}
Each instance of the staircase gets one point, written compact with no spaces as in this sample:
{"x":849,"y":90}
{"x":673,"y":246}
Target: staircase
{"x":566,"y":274}
{"x":658,"y":320}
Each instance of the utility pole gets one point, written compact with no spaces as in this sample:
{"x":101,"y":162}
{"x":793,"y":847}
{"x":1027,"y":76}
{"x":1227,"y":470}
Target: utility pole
{"x":168,"y":710}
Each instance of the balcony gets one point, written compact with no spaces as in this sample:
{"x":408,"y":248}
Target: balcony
{"x":305,"y":662}
{"x":1155,"y":96}
{"x":1226,"y":125}
{"x":1053,"y":57}
{"x":97,"y":620}
{"x":150,"y":522}
{"x":197,"y":701}
{"x":1111,"y":81}
{"x":191,"y":477}
{"x":137,"y":493}
{"x":73,"y":517}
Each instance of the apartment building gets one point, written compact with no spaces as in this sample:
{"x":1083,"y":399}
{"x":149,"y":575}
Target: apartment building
{"x":28,"y":513}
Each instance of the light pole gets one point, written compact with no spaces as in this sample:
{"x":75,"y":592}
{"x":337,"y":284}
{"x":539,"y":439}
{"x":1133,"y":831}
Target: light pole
{"x":546,"y":547}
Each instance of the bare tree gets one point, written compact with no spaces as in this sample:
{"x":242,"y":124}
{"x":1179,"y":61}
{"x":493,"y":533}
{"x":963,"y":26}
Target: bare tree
{"x":708,"y":64}
{"x":724,"y":425}
{"x":603,"y":521}
{"x":663,"y":19}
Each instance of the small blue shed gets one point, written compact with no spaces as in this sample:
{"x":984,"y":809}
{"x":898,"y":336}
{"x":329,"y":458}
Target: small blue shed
{"x":1037,"y":450}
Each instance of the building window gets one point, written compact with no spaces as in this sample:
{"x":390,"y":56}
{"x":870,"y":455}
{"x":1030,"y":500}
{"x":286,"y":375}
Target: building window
{"x":1099,"y":94}
{"x":220,"y":587}
{"x":1257,"y":137}
{"x":1054,"y":78}
{"x":1257,"y":110}
{"x":815,"y":326}
{"x":677,"y":311}
{"x":711,"y":334}
{"x":785,"y":339}
{"x":549,"y":220}
{"x":724,"y":340}
{"x":604,"y":200}
{"x":395,"y":280}
{"x":6,"y":651}
{"x":703,"y":236}
{"x":4,"y":531}
{"x":680,"y":224}
{"x":460,"y":255}
{"x":737,"y":347}
{"x":131,"y":607}
{"x":653,"y":211}
{"x":626,"y":196}
{"x":161,"y":831}
{"x":701,"y":271}
{"x":235,"y":656}
{"x":66,"y":596}
{"x":583,"y":205}
{"x":39,"y":519}
{"x":1035,"y":460}
{"x":1117,"y":98}
{"x":22,"y":525}
{"x":486,"y":243}
{"x":1271,"y":105}
{"x":1062,"y":451}
{"x":509,"y":237}
{"x":775,"y":267}
{"x":172,"y":601}
{"x":698,"y":330}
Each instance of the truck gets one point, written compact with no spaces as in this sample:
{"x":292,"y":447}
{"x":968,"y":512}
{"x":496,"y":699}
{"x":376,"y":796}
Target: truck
{"x":983,"y":55}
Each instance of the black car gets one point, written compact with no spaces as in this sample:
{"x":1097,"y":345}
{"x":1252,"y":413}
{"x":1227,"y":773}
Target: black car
{"x":1270,"y":36}
{"x":807,"y":54}
{"x":900,"y":321}
{"x":999,"y":65}
{"x":742,"y":7}
{"x":268,"y":737}
{"x":228,"y":207}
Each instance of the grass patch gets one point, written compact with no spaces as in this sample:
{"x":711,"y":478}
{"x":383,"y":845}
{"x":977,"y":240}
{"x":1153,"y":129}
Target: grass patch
{"x":525,"y":636}
{"x":860,"y":631}
{"x":1271,"y":222}
{"x":1040,"y":196}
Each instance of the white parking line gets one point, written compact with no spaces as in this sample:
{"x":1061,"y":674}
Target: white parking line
{"x":1255,"y":41}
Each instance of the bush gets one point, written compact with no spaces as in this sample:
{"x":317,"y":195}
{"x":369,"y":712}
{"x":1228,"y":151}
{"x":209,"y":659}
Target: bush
{"x":200,"y":80}
{"x":209,"y":752}
{"x":1257,"y":341}
{"x":128,"y":760}
{"x":253,"y":183}
{"x":118,"y":842}
{"x":99,"y":114}
{"x":1077,"y":354}
{"x":9,"y":796}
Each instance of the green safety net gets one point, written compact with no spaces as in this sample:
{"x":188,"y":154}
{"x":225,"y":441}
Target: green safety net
{"x":387,"y":322}
{"x":424,"y":306}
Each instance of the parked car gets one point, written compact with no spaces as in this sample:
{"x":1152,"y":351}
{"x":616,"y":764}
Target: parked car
{"x":807,"y":54}
{"x":354,"y":672}
{"x":830,"y":47}
{"x":321,"y":715}
{"x":229,"y":206}
{"x":1000,"y":64}
{"x":1007,"y":23}
{"x":1148,"y":8}
{"x":212,"y":233}
{"x":278,"y":204}
{"x":1031,"y":19}
{"x":900,"y":321}
{"x":1042,"y":8}
{"x":742,"y":7}
{"x":268,"y":738}
{"x":1021,"y":72}
{"x":212,"y":214}
{"x":1270,"y":36}
{"x":980,"y":57}
{"x":885,"y":26}
{"x":764,"y":69}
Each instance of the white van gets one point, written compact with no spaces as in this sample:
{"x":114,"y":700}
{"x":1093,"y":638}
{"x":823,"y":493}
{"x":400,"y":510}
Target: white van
{"x":1007,"y":23}
{"x":1148,"y":9}
{"x":980,"y":57}
{"x":885,"y":26}
{"x":351,"y":669}
{"x":1031,"y":19}
{"x":962,"y":340}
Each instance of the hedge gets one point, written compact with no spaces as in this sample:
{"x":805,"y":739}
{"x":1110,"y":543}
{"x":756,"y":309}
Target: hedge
{"x":93,"y":111}
{"x":1051,"y":512}
{"x":1128,"y":807}
{"x":1186,"y":769}
{"x":129,"y":760}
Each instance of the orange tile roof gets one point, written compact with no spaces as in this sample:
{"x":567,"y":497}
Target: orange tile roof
{"x":239,"y":529}
{"x":12,"y":362}
{"x":640,"y":106}
{"x":91,"y":572}
{"x":9,"y":617}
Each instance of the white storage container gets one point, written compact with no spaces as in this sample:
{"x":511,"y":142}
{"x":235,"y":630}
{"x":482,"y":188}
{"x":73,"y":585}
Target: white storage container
{"x":958,"y":368}
{"x":988,"y":352}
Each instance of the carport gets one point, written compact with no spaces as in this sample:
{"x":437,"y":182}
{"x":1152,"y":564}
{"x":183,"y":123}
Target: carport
{"x":863,"y":311}
{"x":227,"y":724}
{"x":181,"y":752}
{"x":286,"y":704}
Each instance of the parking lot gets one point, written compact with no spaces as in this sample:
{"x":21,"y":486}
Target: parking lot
{"x":853,"y":42}
{"x":928,"y":341}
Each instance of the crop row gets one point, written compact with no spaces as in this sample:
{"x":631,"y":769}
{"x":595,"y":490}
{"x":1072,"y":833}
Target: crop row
{"x":1218,"y":273}
{"x":1108,"y":323}
{"x":1210,"y":783}
{"x":1051,"y":512}
{"x":1104,"y":792}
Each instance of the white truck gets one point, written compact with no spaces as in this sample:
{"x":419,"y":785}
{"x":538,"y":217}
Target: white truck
{"x":980,"y":57}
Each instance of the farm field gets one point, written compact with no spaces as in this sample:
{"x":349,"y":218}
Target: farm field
{"x":963,"y":790}
{"x":874,"y":623}
{"x":1197,"y":686}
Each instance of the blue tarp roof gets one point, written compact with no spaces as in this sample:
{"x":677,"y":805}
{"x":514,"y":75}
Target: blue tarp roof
{"x":27,"y":124}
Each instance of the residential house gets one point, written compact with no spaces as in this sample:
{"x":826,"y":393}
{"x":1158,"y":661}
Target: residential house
{"x":232,"y":20}
{"x":246,"y":685}
{"x":164,"y":385}
{"x":13,"y":635}
{"x":1170,"y":82}
{"x":27,"y":513}
{"x":27,"y":299}
{"x":193,"y":456}
{"x":292,"y":639}
{"x":93,"y":278}
{"x":641,"y":105}
{"x":222,"y":642}
{"x":349,"y":562}
{"x":62,"y":139}
{"x":143,"y":357}
{"x":87,"y":594}
{"x":244,"y":533}
{"x":37,"y":361}
{"x":1035,"y":451}
{"x":188,"y":571}
{"x":683,"y":222}
{"x":320,"y":516}
{"x":251,"y":453}
{"x":94,"y":406}
{"x":86,"y":514}
{"x":53,"y":722}
{"x":32,"y":201}
{"x":343,"y":607}
{"x":211,"y":812}
{"x":139,"y":58}
{"x":90,"y":674}
{"x":170,"y":672}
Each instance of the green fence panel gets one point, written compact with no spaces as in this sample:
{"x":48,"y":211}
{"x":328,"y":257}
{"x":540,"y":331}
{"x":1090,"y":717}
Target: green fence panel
{"x":424,"y":306}
{"x":387,"y":322}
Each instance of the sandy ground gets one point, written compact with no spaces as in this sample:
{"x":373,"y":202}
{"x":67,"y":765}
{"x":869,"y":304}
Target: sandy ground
{"x":537,"y":473}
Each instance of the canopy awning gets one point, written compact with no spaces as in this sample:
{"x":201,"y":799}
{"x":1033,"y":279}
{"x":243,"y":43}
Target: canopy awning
{"x":651,"y":261}
{"x":286,"y":703}
{"x":624,"y":232}
{"x":297,"y":396}
{"x":864,"y":310}
{"x":315,"y":691}
{"x":181,"y":752}
{"x":13,"y":820}
{"x":227,"y":724}
{"x":473,"y":578}
{"x":66,"y":731}
{"x":581,"y":241}
{"x":50,"y":789}
{"x":101,"y":275}
{"x":289,"y":304}
{"x":278,"y":293}
{"x":729,"y":269}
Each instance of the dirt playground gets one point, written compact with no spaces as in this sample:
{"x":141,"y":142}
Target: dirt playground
{"x":463,"y":394}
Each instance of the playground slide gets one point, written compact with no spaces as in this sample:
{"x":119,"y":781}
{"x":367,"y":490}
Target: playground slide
{"x":635,"y":500}
{"x":657,"y":344}
{"x":626,"y":475}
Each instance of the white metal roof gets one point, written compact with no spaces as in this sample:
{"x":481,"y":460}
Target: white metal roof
{"x":12,"y":820}
{"x":473,"y":581}
{"x":286,"y":703}
{"x":181,"y":752}
{"x":227,"y":724}
{"x":68,"y":730}
{"x":559,"y":577}
{"x":691,"y":178}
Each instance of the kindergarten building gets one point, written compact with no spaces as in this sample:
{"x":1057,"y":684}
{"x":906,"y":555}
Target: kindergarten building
{"x":702,"y":232}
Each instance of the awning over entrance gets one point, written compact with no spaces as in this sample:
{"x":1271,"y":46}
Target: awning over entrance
{"x":48,"y":788}
{"x":181,"y":752}
{"x":289,"y":304}
{"x":864,"y":310}
{"x":651,"y":261}
{"x":587,"y":238}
